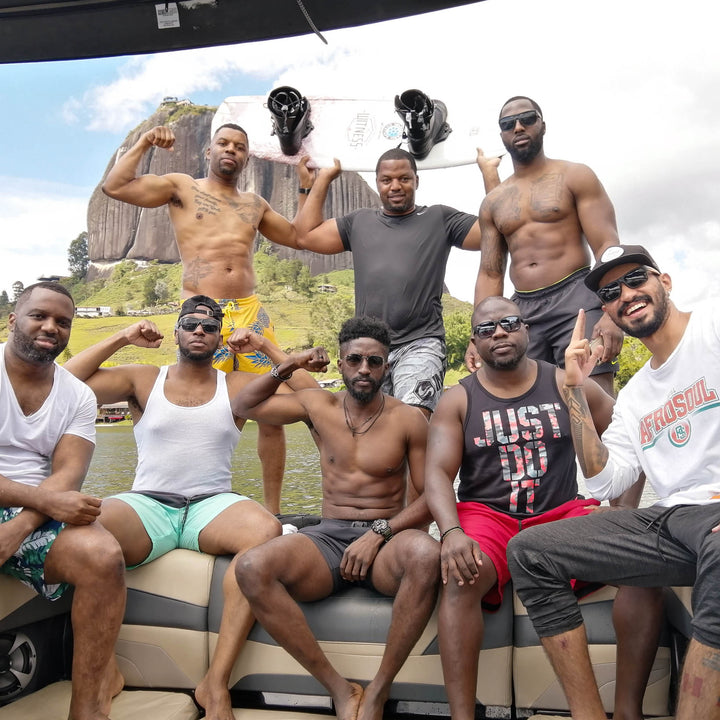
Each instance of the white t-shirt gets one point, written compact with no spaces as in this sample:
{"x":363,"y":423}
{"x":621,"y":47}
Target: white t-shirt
{"x":27,"y":442}
{"x":667,"y":422}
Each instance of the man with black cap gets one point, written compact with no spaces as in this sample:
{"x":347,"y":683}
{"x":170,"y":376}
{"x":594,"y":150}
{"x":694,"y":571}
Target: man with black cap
{"x":181,"y":414}
{"x":666,"y":424}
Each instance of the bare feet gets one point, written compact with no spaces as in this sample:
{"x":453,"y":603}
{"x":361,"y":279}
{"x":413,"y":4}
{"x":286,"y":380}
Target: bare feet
{"x":372,"y":703}
{"x":347,"y":706}
{"x":215,"y":700}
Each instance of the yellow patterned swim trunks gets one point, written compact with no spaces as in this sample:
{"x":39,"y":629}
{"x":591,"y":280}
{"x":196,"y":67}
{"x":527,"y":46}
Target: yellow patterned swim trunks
{"x":239,"y":313}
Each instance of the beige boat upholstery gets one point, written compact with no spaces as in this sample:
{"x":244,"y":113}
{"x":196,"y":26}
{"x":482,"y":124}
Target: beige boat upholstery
{"x":53,"y":703}
{"x":173,"y":616}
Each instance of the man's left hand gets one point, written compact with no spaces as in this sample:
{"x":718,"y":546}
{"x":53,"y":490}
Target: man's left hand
{"x":359,"y":556}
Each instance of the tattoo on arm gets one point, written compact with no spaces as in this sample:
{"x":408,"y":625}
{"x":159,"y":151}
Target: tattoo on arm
{"x":589,"y":449}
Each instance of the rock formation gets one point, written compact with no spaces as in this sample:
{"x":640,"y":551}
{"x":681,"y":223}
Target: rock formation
{"x":118,"y":231}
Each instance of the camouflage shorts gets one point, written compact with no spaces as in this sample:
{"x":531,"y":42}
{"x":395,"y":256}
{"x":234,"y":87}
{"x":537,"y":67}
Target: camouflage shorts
{"x":27,"y":564}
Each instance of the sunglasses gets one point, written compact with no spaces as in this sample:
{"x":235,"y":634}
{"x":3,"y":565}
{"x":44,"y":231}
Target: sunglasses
{"x":189,"y":324}
{"x":526,"y":119}
{"x":633,"y":279}
{"x":511,"y":323}
{"x":354,"y":360}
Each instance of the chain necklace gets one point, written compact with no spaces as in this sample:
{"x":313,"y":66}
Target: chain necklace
{"x":356,"y":429}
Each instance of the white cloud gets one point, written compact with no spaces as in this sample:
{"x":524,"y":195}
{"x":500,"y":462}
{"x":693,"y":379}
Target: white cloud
{"x":39,"y":220}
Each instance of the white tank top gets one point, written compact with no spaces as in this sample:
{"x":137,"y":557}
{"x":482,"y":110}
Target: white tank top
{"x":185,"y":450}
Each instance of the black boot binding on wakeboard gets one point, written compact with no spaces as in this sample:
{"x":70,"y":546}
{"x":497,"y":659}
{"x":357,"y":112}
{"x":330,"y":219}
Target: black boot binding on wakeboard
{"x":290,"y":113}
{"x":425,"y":121}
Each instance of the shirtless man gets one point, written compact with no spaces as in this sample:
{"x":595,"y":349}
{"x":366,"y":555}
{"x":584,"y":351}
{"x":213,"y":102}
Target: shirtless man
{"x":215,"y":228}
{"x":547,"y":217}
{"x":367,"y":441}
{"x":179,"y":412}
{"x":48,"y":535}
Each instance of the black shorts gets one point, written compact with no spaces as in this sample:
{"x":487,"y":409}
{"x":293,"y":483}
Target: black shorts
{"x":551,"y":313}
{"x":331,"y":537}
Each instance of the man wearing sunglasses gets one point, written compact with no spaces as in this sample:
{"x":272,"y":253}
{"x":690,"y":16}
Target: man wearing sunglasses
{"x":186,"y":434}
{"x":369,"y":443}
{"x":215,"y":226}
{"x":506,"y":429}
{"x":400,"y":253}
{"x":666,"y":424}
{"x":548,"y":217}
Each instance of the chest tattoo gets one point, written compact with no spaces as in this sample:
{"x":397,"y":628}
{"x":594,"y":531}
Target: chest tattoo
{"x":546,"y":194}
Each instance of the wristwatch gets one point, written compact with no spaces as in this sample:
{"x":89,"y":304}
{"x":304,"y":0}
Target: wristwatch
{"x":276,"y":374}
{"x":382,"y":528}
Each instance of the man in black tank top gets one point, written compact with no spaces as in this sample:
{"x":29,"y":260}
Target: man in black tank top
{"x":506,"y":430}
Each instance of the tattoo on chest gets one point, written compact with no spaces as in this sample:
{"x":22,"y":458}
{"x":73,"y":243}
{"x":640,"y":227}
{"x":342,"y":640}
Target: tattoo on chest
{"x":546,"y":194}
{"x":195,"y":271}
{"x":205,"y":203}
{"x":248,"y":210}
{"x":507,"y":210}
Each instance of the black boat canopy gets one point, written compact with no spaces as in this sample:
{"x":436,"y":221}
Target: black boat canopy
{"x":34,"y":30}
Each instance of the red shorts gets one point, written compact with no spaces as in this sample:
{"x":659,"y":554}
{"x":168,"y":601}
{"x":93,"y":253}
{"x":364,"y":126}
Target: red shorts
{"x":493,"y":529}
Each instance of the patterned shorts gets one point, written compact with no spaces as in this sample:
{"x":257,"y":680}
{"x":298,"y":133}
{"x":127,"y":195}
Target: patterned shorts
{"x":27,"y":564}
{"x":240,"y":313}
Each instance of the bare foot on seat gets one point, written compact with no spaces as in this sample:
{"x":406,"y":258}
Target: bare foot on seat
{"x":215,"y":701}
{"x":346,"y":707}
{"x":372,"y":703}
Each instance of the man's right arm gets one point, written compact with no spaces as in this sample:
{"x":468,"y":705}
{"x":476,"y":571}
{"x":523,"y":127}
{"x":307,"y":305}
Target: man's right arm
{"x":149,"y":191}
{"x":113,"y":384}
{"x":313,"y":231}
{"x":459,"y":554}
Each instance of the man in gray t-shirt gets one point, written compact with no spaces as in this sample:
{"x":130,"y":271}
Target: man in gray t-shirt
{"x":399,"y":254}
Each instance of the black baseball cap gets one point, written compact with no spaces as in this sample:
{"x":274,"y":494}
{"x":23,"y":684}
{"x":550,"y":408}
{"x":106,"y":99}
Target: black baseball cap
{"x":618,"y":255}
{"x":201,"y":305}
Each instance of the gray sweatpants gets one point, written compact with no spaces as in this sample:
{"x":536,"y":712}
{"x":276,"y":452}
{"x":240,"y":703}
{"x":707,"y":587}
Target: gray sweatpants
{"x":649,"y":547}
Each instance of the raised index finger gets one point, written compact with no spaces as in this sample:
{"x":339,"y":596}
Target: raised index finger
{"x":578,"y":332}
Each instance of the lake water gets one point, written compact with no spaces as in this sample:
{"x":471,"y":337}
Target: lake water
{"x":113,"y":467}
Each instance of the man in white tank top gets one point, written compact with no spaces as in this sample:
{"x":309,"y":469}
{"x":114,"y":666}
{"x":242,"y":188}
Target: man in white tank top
{"x":181,"y":412}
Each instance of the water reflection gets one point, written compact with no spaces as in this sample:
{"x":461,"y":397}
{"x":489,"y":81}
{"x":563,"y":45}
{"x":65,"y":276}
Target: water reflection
{"x":113,"y":466}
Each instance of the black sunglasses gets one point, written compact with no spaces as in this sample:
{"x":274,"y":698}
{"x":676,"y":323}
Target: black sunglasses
{"x":374,"y":361}
{"x":633,"y":279}
{"x":526,"y":119}
{"x":511,"y":323}
{"x":189,"y":324}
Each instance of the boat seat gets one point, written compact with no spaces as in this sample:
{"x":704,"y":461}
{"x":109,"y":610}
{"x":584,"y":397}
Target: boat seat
{"x":53,"y":703}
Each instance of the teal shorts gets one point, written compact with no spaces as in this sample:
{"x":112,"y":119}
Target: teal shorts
{"x":27,"y":564}
{"x":171,"y":527}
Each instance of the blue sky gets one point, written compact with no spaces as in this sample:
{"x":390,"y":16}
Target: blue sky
{"x":628,"y":88}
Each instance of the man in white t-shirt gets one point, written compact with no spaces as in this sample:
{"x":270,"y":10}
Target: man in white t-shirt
{"x":48,"y":535}
{"x":665,"y":423}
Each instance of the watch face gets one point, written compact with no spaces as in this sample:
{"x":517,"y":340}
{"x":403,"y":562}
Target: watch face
{"x":382,"y":527}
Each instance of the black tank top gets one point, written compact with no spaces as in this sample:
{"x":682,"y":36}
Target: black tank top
{"x":518,"y":457}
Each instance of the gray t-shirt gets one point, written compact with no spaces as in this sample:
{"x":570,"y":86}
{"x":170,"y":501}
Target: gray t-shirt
{"x":400,"y":264}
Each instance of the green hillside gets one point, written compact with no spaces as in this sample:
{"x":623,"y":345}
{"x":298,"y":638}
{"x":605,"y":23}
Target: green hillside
{"x":303,"y":314}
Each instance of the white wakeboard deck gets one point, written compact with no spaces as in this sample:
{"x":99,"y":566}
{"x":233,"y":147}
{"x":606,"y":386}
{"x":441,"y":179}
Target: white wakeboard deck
{"x":355,"y":131}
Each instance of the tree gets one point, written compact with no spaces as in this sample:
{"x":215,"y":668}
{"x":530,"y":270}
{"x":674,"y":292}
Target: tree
{"x":78,"y":260}
{"x":457,"y":332}
{"x":632,"y":357}
{"x":17,"y":288}
{"x":4,"y":302}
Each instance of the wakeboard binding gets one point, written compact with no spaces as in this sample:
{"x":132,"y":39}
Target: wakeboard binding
{"x":425,"y":121}
{"x":290,"y":112}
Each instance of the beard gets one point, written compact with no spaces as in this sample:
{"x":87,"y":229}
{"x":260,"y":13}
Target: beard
{"x":196,"y":356}
{"x":525,"y":155}
{"x":506,"y":363}
{"x":652,"y":324}
{"x":24,"y":347}
{"x":363,"y":396}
